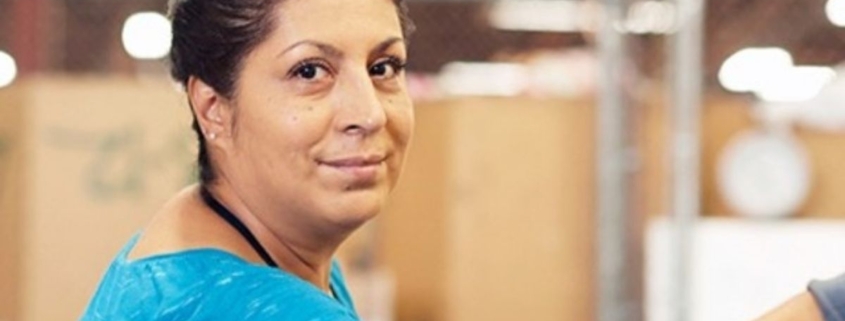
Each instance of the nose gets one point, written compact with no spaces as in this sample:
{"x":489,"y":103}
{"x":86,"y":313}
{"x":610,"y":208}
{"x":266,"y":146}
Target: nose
{"x":360,"y":111}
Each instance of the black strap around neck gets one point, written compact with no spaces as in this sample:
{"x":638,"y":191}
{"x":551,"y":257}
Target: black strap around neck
{"x":233,"y":220}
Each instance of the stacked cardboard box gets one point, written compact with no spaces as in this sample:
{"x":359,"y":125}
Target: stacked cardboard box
{"x":493,"y":219}
{"x":84,"y":163}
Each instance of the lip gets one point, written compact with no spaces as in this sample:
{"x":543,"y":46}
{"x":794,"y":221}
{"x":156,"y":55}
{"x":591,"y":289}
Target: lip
{"x":354,"y":161}
{"x":357,"y":172}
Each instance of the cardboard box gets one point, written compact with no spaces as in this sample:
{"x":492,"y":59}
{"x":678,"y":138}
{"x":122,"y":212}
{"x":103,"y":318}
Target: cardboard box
{"x":85,"y":163}
{"x":493,"y":219}
{"x":11,"y":192}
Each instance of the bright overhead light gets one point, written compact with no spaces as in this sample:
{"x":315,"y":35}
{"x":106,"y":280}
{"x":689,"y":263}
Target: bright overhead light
{"x":797,"y":84}
{"x":746,"y":69}
{"x":835,"y":10}
{"x":771,"y":75}
{"x":483,"y":79}
{"x":654,"y":17}
{"x":147,"y":35}
{"x":8,"y":69}
{"x":537,"y":15}
{"x":643,"y":17}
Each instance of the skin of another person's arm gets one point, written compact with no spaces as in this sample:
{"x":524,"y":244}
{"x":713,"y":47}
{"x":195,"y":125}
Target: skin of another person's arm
{"x":802,"y":307}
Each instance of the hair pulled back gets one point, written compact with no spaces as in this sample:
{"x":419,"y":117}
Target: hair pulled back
{"x":211,"y":38}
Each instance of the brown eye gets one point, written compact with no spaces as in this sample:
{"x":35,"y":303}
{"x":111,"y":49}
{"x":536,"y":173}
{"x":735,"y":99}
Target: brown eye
{"x":387,"y":69}
{"x":310,"y":71}
{"x":307,"y":72}
{"x":378,"y":70}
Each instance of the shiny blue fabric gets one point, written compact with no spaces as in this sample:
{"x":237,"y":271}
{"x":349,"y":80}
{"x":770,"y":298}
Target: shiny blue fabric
{"x":210,"y":284}
{"x":830,"y":296}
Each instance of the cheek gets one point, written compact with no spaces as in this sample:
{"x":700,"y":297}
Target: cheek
{"x":402,"y":120}
{"x":305,"y":123}
{"x":300,"y":129}
{"x":284,"y":132}
{"x":412,"y":121}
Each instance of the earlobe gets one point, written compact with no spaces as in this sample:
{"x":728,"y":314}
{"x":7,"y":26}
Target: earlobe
{"x":206,"y":104}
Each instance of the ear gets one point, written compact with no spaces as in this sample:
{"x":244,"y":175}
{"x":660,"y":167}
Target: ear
{"x":212,"y":110}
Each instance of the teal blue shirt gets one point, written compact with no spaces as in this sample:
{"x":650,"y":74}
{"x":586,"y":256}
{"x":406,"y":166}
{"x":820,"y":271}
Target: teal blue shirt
{"x":211,"y":284}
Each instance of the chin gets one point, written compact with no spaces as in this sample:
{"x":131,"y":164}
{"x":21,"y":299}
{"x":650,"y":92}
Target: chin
{"x":356,"y":208}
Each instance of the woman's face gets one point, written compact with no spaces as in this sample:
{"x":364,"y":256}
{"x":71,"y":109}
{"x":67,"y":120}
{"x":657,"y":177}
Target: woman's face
{"x":321,"y":117}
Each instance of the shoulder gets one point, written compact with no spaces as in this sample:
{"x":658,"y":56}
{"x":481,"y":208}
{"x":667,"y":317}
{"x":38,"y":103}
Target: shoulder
{"x":275,"y":295}
{"x":186,"y":223}
{"x":263,"y":293}
{"x":209,"y":284}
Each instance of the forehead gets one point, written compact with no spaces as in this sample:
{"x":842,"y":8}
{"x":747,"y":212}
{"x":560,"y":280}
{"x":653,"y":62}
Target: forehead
{"x":343,"y":23}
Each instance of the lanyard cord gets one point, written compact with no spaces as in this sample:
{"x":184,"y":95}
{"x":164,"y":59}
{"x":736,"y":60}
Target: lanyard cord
{"x":233,"y":220}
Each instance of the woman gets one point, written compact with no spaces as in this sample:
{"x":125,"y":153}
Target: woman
{"x":303,"y":120}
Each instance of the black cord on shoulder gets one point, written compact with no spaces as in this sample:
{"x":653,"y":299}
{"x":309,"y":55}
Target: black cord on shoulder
{"x":233,"y":220}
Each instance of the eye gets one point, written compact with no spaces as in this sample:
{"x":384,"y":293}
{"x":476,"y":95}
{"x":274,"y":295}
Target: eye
{"x":309,"y":70}
{"x":387,"y":68}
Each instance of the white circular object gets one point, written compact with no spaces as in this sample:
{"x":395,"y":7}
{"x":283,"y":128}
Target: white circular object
{"x":147,"y":35}
{"x":764,"y":174}
{"x":835,"y":10}
{"x":8,"y":69}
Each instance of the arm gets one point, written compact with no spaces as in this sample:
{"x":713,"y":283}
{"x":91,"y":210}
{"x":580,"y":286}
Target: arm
{"x":800,"y":308}
{"x":823,"y":301}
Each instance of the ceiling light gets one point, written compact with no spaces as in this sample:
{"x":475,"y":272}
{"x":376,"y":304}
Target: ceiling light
{"x":651,"y":17}
{"x":533,"y":15}
{"x":746,"y":69}
{"x":835,"y":10}
{"x":147,"y":35}
{"x":797,"y":84}
{"x":8,"y":69}
{"x":483,"y":79}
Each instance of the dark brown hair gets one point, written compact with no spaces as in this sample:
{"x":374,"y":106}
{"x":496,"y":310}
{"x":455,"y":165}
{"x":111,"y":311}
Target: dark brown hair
{"x":211,"y":39}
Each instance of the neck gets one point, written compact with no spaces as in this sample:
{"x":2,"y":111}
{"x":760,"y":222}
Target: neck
{"x":294,"y":246}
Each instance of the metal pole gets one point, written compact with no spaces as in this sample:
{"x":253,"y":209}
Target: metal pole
{"x":685,"y":54}
{"x":619,"y":297}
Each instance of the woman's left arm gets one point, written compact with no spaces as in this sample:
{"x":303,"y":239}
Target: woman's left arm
{"x":800,"y":308}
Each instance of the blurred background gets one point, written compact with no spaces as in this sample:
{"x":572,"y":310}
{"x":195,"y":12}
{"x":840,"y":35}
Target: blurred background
{"x":573,"y":159}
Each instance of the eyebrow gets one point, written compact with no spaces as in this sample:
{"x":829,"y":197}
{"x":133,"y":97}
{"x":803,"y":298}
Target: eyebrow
{"x":332,"y":51}
{"x":384,"y":45}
